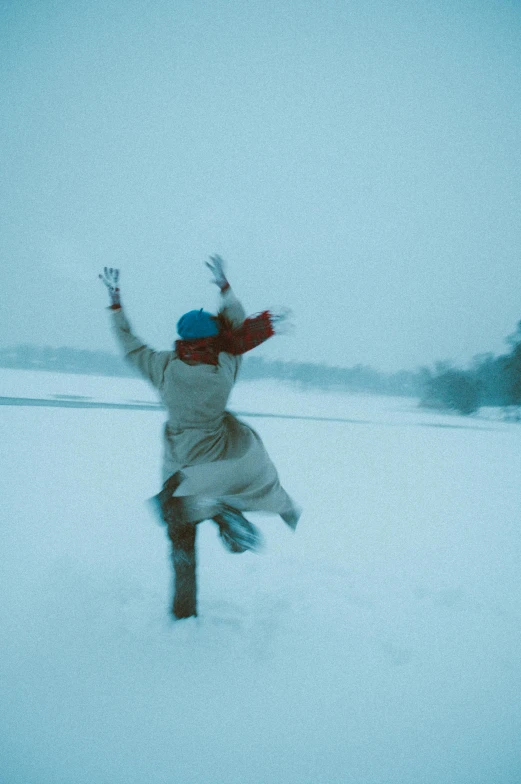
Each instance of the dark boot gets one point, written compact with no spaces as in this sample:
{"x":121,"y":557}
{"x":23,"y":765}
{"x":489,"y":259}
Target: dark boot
{"x":182,"y":537}
{"x":237,"y":533}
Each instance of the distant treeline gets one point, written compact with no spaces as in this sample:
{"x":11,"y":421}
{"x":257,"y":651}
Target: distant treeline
{"x":490,"y":380}
{"x":64,"y":360}
{"x":359,"y":378}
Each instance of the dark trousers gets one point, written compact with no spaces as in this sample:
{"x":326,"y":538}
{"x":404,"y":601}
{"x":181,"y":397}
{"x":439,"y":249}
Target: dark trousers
{"x":182,"y":537}
{"x":237,"y":534}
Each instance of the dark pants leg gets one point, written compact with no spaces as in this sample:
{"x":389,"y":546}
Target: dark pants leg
{"x":237,"y":533}
{"x":182,"y":537}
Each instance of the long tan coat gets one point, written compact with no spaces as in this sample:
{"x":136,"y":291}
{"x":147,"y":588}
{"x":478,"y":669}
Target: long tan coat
{"x":221,"y":458}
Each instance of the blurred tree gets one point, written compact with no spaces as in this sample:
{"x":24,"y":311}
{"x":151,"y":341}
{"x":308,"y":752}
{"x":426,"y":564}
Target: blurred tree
{"x":454,"y":390}
{"x":513,"y":373}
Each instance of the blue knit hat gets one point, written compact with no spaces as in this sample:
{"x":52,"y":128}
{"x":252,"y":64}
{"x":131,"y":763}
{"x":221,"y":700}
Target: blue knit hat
{"x":197,"y":324}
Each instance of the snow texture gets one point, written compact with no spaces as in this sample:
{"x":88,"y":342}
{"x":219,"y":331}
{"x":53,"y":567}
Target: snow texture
{"x":379,"y":644}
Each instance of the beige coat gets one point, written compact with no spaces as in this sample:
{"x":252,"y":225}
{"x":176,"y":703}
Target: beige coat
{"x":221,"y":458}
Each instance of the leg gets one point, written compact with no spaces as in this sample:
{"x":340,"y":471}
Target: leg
{"x":182,"y":537}
{"x":237,"y":533}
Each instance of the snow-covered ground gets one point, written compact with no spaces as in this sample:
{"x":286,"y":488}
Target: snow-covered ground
{"x":379,"y":644}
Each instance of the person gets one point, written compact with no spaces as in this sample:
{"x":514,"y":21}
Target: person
{"x":215,"y":466}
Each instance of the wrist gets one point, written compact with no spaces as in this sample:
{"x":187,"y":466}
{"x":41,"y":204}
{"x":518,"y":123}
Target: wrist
{"x":224,"y":287}
{"x":115,"y":301}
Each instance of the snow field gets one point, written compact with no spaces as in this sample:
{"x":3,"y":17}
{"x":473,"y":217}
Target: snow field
{"x":379,"y":644}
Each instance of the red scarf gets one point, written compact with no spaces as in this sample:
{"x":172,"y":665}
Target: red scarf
{"x":252,"y":332}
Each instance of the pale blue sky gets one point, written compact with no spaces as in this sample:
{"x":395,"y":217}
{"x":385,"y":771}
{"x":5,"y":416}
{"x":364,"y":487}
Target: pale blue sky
{"x":357,"y":161}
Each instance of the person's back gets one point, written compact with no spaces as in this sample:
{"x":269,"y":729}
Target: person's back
{"x":196,"y":395}
{"x":199,"y":429}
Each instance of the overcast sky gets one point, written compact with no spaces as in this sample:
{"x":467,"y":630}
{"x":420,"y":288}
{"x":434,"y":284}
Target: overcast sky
{"x":356,"y":160}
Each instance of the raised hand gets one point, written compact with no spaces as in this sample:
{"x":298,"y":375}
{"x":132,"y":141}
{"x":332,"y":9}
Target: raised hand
{"x":216,"y":267}
{"x":110,"y":278}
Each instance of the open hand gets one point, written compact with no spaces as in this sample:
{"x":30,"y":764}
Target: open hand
{"x":110,"y":278}
{"x":216,"y":267}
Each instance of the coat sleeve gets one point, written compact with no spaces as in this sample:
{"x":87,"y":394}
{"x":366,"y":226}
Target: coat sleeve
{"x":151,"y":364}
{"x":233,"y":311}
{"x":231,"y":308}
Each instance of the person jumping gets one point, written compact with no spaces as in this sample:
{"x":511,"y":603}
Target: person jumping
{"x":215,"y":467}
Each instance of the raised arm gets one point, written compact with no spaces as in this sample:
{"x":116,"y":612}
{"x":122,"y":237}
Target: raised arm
{"x":151,"y":364}
{"x":230,"y":307}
